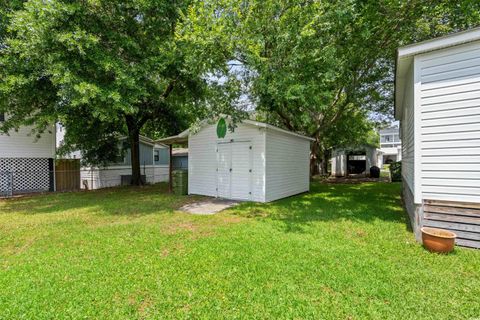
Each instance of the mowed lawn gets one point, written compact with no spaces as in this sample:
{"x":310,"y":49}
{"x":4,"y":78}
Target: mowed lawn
{"x":339,"y":252}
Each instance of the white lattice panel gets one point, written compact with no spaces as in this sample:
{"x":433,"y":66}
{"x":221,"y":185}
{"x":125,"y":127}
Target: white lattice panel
{"x":24,"y":175}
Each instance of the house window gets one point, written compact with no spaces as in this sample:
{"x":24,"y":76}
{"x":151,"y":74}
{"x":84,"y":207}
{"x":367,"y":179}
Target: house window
{"x":2,"y":117}
{"x":161,"y":156}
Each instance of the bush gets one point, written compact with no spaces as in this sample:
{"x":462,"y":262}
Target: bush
{"x":396,"y":171}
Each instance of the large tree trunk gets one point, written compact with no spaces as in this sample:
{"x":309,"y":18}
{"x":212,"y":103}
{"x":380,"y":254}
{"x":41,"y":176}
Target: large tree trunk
{"x":134,"y":139}
{"x":324,"y":156}
{"x":319,"y":158}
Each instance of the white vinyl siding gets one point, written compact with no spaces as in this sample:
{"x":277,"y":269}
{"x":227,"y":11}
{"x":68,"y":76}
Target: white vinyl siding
{"x":450,"y":123}
{"x":97,"y":178}
{"x":202,"y":161}
{"x":24,"y":144}
{"x":279,"y":162}
{"x":408,"y":133}
{"x":288,"y":165}
{"x":241,"y":175}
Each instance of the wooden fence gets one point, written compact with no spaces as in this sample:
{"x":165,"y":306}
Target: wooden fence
{"x":67,"y":174}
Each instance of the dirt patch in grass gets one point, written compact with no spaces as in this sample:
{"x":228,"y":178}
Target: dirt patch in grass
{"x":144,"y":306}
{"x":232,"y":219}
{"x":20,"y":246}
{"x":193,"y":231}
{"x":181,"y":227}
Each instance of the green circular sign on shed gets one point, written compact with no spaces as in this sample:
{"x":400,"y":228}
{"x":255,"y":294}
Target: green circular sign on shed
{"x":221,"y":128}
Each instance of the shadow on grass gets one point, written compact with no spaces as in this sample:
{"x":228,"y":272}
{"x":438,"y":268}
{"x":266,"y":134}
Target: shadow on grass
{"x":111,"y":201}
{"x":326,"y":202}
{"x":365,"y":202}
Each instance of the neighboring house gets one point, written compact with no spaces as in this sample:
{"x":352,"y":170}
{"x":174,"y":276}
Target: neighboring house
{"x":353,"y":160}
{"x":154,"y":163}
{"x":180,"y":158}
{"x":27,"y":161}
{"x":437,"y":100}
{"x":256,"y":162}
{"x":390,"y":146}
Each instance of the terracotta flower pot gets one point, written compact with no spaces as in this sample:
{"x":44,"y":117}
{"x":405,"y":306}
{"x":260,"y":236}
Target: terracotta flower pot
{"x":438,"y":240}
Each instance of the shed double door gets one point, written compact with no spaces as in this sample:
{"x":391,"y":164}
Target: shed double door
{"x":234,"y":170}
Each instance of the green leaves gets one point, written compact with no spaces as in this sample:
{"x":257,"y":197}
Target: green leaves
{"x":325,"y":68}
{"x":77,"y":40}
{"x":95,"y":64}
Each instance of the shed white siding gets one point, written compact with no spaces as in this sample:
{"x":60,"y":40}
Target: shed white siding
{"x":256,"y":162}
{"x":287,"y":165}
{"x":202,"y":159}
{"x":407,"y":132}
{"x":22,"y":144}
{"x":339,"y":163}
{"x":450,"y":123}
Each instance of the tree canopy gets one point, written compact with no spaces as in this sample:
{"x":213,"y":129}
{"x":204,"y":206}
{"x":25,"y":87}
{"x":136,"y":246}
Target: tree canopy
{"x":109,"y":68}
{"x":106,"y":68}
{"x":325,"y":68}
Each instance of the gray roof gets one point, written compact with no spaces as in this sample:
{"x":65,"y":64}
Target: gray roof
{"x":180,"y":152}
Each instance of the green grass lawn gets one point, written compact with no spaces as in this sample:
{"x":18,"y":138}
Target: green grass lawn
{"x":340,"y":252}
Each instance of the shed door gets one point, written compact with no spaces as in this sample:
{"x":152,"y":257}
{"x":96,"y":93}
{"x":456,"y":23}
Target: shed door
{"x":241,"y":170}
{"x":224,"y":166}
{"x":234,"y":170}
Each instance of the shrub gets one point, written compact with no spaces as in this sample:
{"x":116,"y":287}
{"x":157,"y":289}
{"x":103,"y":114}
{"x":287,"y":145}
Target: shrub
{"x":396,"y":171}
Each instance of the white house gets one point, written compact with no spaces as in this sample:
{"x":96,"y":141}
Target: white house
{"x":390,"y":146}
{"x":154,"y":166}
{"x":437,"y":100}
{"x":27,"y":161}
{"x":154,"y":162}
{"x":257,"y":162}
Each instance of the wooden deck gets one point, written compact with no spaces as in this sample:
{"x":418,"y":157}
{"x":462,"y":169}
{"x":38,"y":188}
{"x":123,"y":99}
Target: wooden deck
{"x":459,"y":217}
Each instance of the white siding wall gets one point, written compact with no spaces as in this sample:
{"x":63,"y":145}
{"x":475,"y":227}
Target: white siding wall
{"x":111,"y":177}
{"x":287,"y":165}
{"x":23,"y":144}
{"x":202,"y":162}
{"x":407,"y":133}
{"x":339,"y":163}
{"x":450,"y":123}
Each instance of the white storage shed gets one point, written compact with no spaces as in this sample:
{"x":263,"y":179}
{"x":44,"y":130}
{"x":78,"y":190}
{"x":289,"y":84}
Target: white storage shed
{"x":353,"y":160}
{"x":256,"y":162}
{"x":437,"y":100}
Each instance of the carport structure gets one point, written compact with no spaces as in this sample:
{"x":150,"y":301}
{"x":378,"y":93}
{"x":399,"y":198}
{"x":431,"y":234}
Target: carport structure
{"x":181,"y":140}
